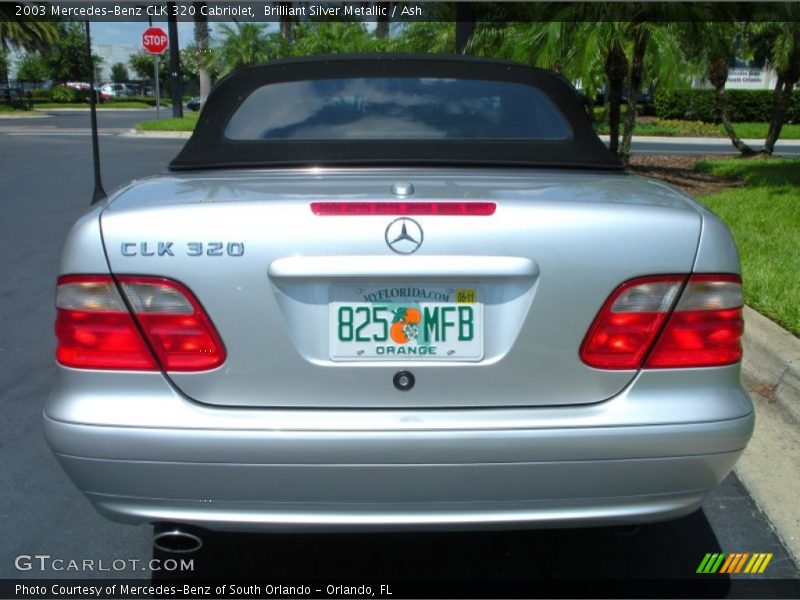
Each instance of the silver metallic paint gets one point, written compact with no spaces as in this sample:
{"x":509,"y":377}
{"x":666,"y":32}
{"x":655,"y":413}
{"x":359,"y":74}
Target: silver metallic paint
{"x":566,"y":223}
{"x":287,"y":440}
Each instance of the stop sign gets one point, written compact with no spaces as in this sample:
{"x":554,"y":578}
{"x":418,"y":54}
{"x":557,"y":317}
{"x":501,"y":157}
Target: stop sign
{"x":154,"y":40}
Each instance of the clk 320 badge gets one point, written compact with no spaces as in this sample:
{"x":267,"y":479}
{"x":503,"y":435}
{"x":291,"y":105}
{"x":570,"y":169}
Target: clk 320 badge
{"x":191,"y":249}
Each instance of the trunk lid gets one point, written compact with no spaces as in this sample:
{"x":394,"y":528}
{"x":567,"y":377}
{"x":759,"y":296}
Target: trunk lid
{"x":504,"y":299}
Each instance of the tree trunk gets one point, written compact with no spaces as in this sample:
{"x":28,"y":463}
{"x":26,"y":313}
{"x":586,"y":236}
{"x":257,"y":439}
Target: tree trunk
{"x":589,"y":104}
{"x":382,"y":21}
{"x":286,"y":23}
{"x":4,"y":66}
{"x":637,"y":72}
{"x":465,"y":25}
{"x":717,"y":73}
{"x":616,"y":67}
{"x":725,"y":117}
{"x":780,"y":104}
{"x":201,"y":35}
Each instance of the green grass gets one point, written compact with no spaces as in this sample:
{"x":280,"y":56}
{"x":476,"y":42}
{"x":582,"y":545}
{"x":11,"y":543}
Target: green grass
{"x":668,"y":128}
{"x":755,"y":171}
{"x":764,"y":216}
{"x":789,"y":131}
{"x":6,"y":109}
{"x":186,"y":123}
{"x":131,"y":104}
{"x":676,"y":128}
{"x":759,"y":130}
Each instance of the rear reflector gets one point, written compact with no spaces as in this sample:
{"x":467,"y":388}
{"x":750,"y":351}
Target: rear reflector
{"x":635,"y":328}
{"x":95,"y":330}
{"x":466,"y":209}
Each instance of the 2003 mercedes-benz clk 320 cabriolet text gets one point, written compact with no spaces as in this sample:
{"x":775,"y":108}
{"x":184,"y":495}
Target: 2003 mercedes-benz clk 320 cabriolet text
{"x":395,"y":291}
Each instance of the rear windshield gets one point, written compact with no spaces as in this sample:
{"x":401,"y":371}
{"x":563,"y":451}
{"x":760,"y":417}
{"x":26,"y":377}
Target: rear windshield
{"x":397,"y":108}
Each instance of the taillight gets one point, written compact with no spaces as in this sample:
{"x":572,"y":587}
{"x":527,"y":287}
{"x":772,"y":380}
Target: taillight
{"x":449,"y":208}
{"x":638,"y":327}
{"x":706,"y":327}
{"x":626,"y":326}
{"x":95,"y":330}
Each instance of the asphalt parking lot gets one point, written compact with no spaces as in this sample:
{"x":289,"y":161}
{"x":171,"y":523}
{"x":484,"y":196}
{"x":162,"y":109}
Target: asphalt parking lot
{"x":46,"y":183}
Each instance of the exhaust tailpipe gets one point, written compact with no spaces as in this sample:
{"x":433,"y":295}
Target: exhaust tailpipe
{"x":175,"y":540}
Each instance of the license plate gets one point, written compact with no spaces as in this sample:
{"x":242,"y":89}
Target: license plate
{"x":426,"y":322}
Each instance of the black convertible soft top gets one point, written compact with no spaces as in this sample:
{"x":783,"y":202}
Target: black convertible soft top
{"x":218,"y":143}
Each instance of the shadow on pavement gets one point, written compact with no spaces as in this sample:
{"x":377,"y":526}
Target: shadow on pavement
{"x":663,"y":551}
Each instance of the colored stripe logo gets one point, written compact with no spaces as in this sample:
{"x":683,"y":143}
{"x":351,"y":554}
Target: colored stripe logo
{"x":735,"y":562}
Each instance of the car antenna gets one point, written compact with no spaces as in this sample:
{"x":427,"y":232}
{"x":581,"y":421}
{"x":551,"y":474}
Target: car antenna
{"x":99,"y":193}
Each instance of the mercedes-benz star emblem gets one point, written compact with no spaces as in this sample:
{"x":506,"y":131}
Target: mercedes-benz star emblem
{"x":404,"y":235}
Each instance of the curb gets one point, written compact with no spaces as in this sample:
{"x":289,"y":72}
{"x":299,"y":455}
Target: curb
{"x":772,"y":360}
{"x":27,"y":115}
{"x":98,"y":109}
{"x":769,"y":464}
{"x":165,"y":135}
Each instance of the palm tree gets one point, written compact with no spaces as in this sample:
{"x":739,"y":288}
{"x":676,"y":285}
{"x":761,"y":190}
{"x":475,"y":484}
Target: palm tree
{"x":655,"y":54}
{"x":201,"y":37}
{"x":636,"y":42}
{"x":626,"y":44}
{"x":714,"y":45}
{"x":425,"y":36}
{"x":286,"y":23}
{"x":27,"y":33}
{"x":4,"y":66}
{"x":556,"y":45}
{"x":624,"y":35}
{"x":333,"y":37}
{"x":242,"y":46}
{"x":580,"y":50}
{"x":382,"y":20}
{"x":779,"y":43}
{"x":601,"y":30}
{"x":576,"y":45}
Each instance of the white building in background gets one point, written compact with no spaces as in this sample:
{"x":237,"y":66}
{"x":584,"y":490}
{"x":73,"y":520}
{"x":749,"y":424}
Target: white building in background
{"x":751,"y":78}
{"x":112,"y":54}
{"x":14,"y":58}
{"x":743,"y":75}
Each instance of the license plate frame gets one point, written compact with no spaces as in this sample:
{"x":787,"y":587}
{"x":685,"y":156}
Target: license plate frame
{"x":386,"y":322}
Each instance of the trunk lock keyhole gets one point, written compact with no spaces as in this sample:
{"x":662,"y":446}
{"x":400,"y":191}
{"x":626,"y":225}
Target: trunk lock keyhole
{"x":403,"y":380}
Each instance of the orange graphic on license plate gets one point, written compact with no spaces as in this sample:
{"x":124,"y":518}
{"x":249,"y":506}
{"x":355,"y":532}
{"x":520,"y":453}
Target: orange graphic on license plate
{"x":405,"y":324}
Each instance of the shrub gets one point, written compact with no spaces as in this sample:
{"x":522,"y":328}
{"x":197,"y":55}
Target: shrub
{"x":687,"y":128}
{"x":750,"y":105}
{"x":691,"y":104}
{"x":700,"y":105}
{"x":41,"y":95}
{"x":62,"y":93}
{"x":149,"y":100}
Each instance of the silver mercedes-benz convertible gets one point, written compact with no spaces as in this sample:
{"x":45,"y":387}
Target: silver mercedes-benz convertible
{"x":397,"y":292}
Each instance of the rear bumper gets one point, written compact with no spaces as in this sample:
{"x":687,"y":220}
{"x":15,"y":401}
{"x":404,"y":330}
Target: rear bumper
{"x":152,"y":455}
{"x":385,"y":497}
{"x":273,"y":517}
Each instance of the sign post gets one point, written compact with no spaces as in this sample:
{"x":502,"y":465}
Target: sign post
{"x":158,"y":92}
{"x":155,"y":41}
